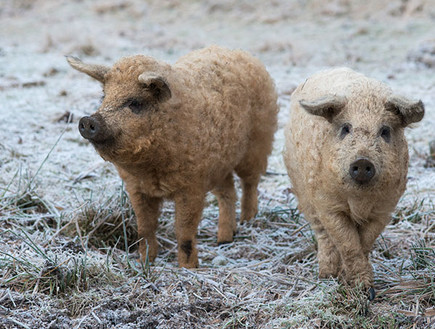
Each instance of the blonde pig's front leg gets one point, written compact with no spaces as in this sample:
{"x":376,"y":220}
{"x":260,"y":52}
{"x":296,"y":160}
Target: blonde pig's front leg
{"x":344,"y":234}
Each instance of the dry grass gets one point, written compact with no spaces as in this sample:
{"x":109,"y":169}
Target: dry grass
{"x":79,"y":268}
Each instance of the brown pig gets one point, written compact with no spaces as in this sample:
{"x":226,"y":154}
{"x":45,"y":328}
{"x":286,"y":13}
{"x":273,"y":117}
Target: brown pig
{"x":178,"y":131}
{"x":347,"y":159}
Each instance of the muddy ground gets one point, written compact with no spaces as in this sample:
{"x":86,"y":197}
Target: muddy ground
{"x":53,"y":184}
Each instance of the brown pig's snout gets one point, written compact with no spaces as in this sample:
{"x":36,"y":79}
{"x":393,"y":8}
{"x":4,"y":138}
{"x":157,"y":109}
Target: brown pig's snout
{"x":94,"y":128}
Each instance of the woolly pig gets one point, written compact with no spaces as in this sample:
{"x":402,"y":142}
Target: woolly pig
{"x":347,"y":159}
{"x":178,"y":131}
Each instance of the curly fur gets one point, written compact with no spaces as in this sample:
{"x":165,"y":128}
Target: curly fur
{"x":346,"y":218}
{"x":220,"y":118}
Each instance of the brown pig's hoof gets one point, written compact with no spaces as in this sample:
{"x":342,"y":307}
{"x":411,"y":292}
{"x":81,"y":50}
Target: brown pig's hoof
{"x":372,"y":293}
{"x":220,"y":243}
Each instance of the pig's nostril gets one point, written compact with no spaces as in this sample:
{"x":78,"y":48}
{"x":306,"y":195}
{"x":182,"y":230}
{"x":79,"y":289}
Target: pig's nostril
{"x":90,"y":128}
{"x":362,"y":171}
{"x":94,"y":129}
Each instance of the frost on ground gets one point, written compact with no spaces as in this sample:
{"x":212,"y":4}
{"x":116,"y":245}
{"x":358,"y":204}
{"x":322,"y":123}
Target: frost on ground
{"x":68,"y":256}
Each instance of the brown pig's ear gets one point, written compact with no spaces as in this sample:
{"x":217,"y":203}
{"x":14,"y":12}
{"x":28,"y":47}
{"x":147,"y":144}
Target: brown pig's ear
{"x":327,"y":106}
{"x":95,"y":71}
{"x":156,"y":85}
{"x":408,"y":111}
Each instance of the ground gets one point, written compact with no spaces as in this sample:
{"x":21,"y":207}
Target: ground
{"x":68,"y":256}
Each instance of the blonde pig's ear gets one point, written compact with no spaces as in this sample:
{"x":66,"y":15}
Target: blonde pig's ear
{"x":95,"y":71}
{"x":408,"y":111}
{"x":327,"y":106}
{"x":156,"y":85}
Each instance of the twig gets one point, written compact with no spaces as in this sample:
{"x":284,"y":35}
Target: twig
{"x":18,"y":323}
{"x":45,"y":159}
{"x":79,"y":233}
{"x":299,"y":229}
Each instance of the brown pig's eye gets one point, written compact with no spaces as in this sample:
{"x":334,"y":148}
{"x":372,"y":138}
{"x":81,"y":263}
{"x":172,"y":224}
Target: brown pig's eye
{"x":135,"y":106}
{"x":385,"y":133}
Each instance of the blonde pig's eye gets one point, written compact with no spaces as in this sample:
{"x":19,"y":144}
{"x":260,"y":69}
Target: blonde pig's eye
{"x":345,"y":130}
{"x":385,"y":133}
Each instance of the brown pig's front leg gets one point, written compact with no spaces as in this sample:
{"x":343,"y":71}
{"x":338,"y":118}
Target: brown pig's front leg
{"x":188,"y":213}
{"x":226,"y":195}
{"x":147,"y":210}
